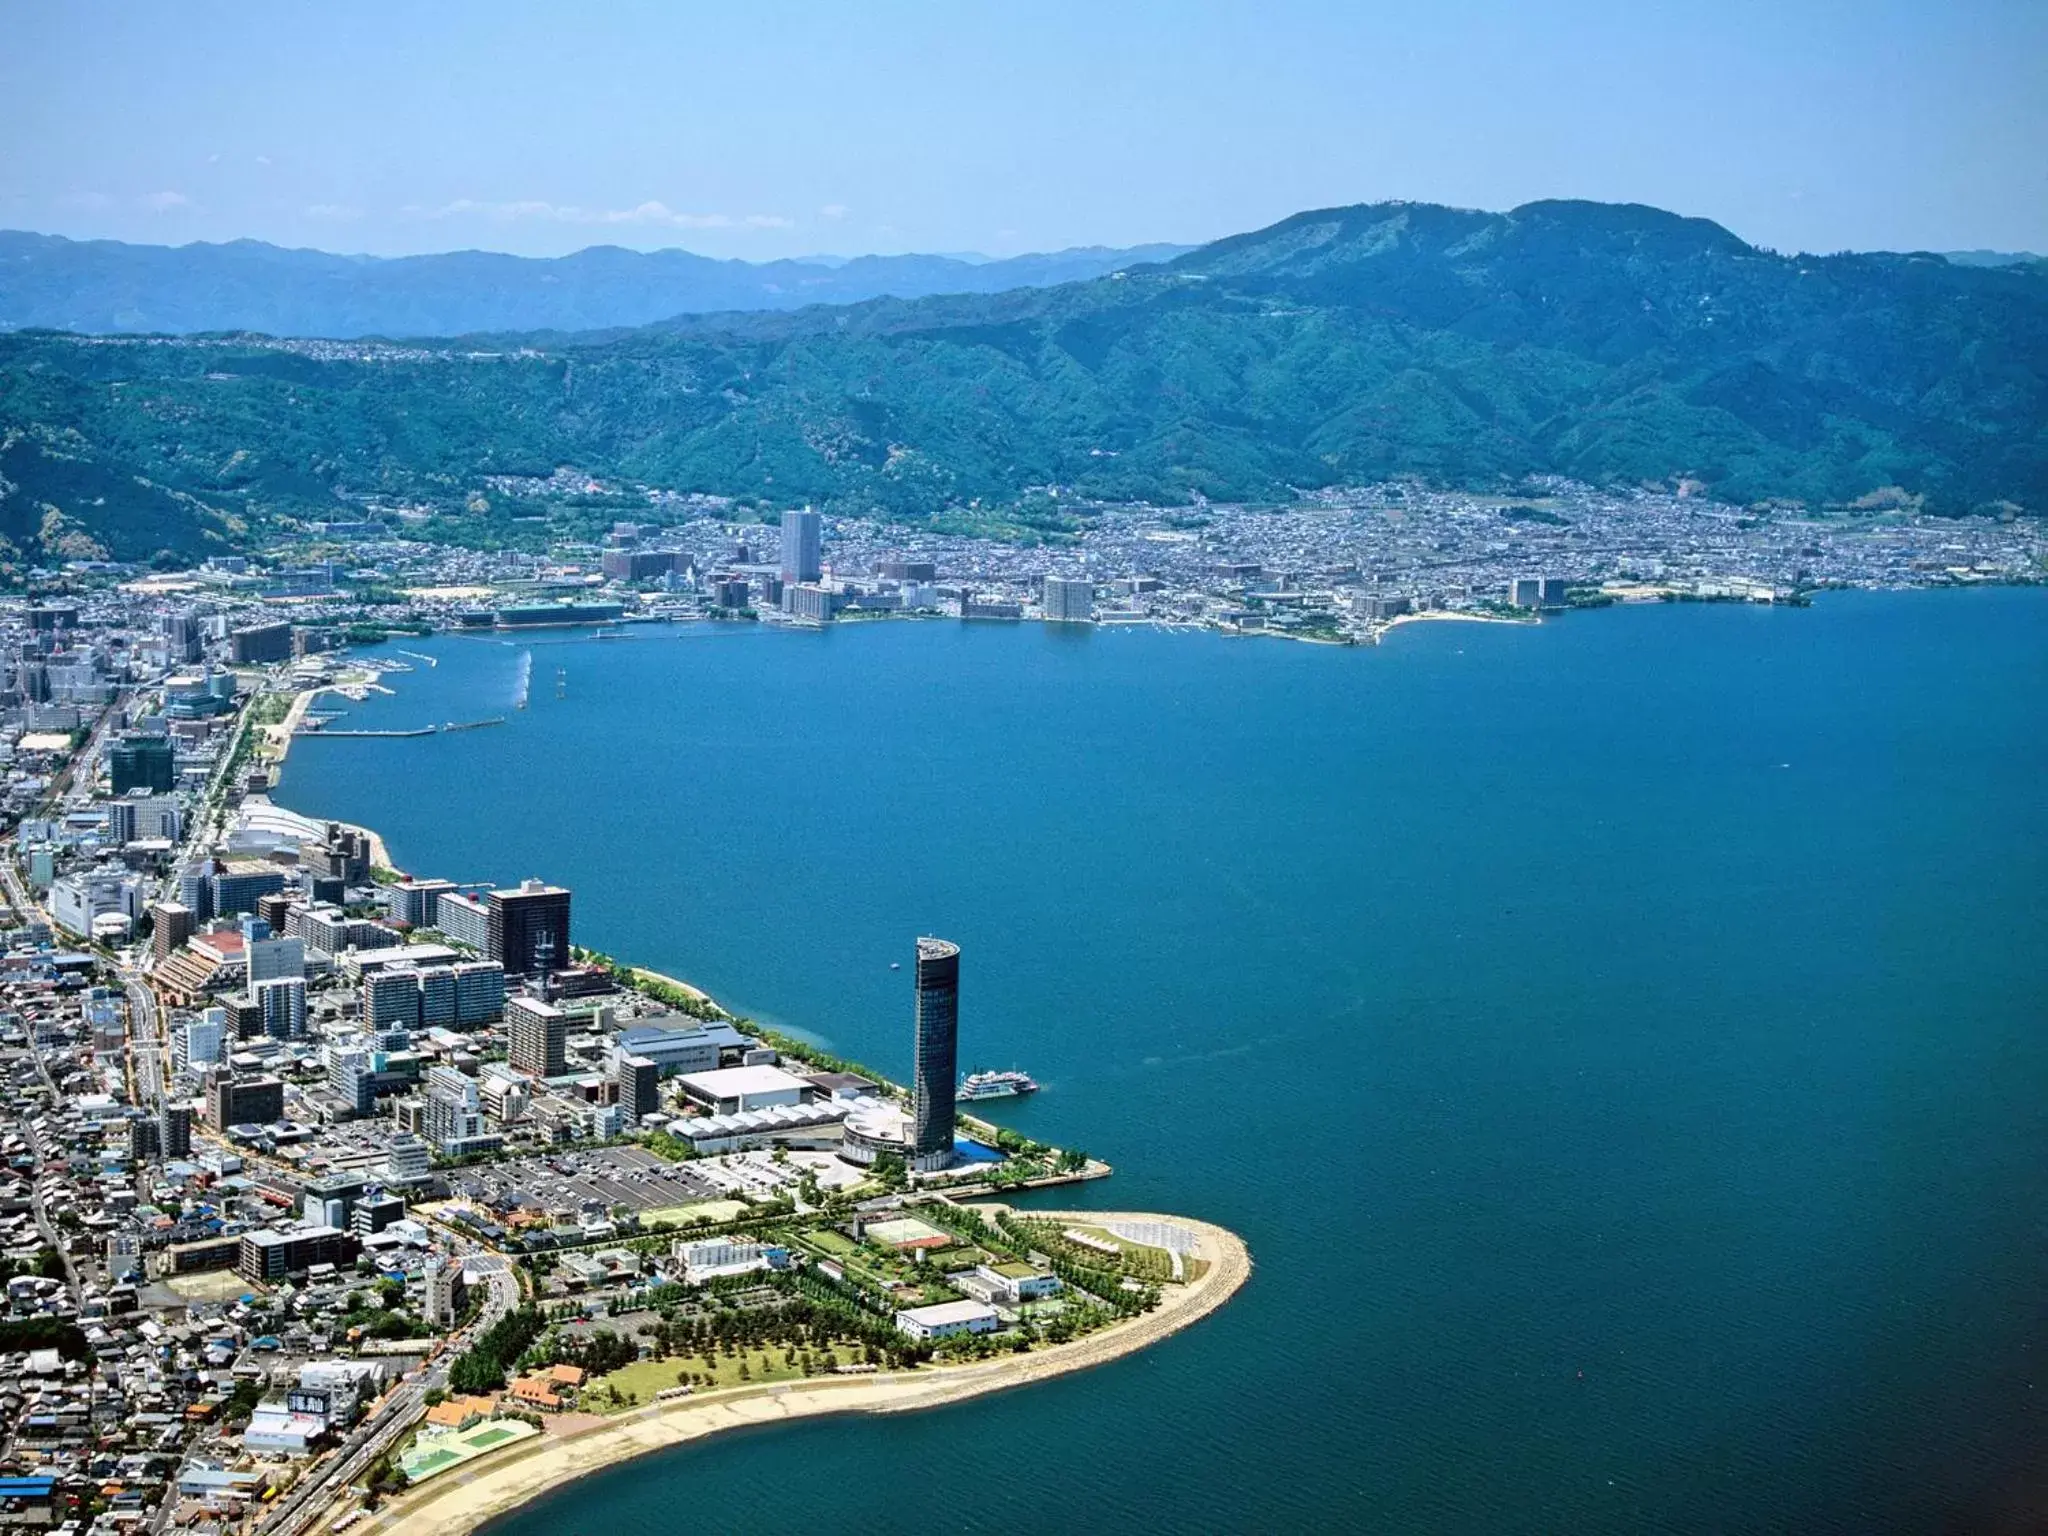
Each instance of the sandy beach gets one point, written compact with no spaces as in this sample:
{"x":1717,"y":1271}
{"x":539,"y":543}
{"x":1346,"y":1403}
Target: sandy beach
{"x":278,"y":740}
{"x":680,"y":985}
{"x":1460,"y":616}
{"x":466,"y":1499}
{"x":279,"y":736}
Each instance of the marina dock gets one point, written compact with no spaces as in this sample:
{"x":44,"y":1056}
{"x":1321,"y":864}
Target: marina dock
{"x":424,"y":730}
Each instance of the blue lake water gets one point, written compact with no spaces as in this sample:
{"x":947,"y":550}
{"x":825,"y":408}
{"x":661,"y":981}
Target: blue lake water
{"x":1623,"y":1043}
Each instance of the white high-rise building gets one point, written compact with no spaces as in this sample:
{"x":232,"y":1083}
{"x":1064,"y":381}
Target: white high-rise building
{"x":407,"y":1160}
{"x":199,"y":1042}
{"x":443,"y":1279}
{"x":801,"y":546}
{"x":464,"y":919}
{"x":453,"y":1111}
{"x":351,"y":1073}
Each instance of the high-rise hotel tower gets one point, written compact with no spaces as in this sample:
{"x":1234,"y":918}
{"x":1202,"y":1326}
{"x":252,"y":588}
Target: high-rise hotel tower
{"x":935,"y":1068}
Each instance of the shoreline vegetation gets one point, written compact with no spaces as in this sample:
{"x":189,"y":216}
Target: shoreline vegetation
{"x":500,"y":1483}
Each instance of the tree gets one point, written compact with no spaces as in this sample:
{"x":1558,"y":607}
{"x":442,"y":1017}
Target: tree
{"x":242,"y":1402}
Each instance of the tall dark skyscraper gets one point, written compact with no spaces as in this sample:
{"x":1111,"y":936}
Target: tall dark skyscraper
{"x":142,"y":762}
{"x":529,"y":925}
{"x":182,"y":642}
{"x":936,"y":1067}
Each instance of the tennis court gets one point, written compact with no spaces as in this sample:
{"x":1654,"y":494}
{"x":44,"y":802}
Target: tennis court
{"x":437,"y":1449}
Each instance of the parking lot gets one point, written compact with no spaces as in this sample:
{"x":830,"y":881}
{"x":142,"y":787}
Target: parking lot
{"x":603,"y":1177}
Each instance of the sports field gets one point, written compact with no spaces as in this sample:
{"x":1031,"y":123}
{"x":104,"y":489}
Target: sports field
{"x":436,"y":1450}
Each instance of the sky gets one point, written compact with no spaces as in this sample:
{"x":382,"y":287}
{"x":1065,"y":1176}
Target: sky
{"x":771,"y":129}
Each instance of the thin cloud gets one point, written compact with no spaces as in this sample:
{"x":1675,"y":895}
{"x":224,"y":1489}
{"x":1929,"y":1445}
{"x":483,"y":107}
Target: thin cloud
{"x":88,"y":202}
{"x":834,"y":211}
{"x":165,"y":202}
{"x":337,"y":211}
{"x":656,"y":214}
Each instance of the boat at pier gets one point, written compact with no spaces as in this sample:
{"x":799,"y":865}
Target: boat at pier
{"x":995,"y":1085}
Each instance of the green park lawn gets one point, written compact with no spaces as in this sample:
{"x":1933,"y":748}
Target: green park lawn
{"x":637,"y":1383}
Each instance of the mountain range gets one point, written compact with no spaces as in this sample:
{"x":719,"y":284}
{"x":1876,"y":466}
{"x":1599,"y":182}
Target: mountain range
{"x":1616,"y":344}
{"x":105,"y":286}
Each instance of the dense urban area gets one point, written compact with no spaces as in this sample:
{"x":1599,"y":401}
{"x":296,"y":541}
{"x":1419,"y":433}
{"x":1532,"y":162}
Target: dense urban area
{"x":1338,"y":565}
{"x":324,"y":1178}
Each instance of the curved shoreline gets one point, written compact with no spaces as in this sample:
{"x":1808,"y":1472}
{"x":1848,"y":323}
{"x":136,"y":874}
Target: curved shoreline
{"x":468,"y":1499}
{"x":680,"y":985}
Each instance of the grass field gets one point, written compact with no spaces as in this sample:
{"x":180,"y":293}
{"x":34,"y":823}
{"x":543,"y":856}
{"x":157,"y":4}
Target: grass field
{"x":696,"y":1211}
{"x":637,"y":1383}
{"x":875,"y":1266}
{"x":1133,"y":1250}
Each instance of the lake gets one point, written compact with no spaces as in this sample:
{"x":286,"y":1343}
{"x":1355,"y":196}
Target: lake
{"x":1620,"y":1041}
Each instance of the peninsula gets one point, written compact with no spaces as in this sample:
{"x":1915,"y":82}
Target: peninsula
{"x":585,"y":1444}
{"x":452,"y":1208}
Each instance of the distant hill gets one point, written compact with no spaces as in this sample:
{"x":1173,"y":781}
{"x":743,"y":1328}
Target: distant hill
{"x":1615,"y":344}
{"x":1995,"y":258}
{"x":105,"y":286}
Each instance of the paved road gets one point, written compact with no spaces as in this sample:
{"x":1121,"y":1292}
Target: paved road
{"x":385,"y":1427}
{"x":393,"y":1418}
{"x":45,"y":1227}
{"x":145,"y":1042}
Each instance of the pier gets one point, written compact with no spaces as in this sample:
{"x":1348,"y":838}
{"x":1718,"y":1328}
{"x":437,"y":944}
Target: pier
{"x":321,"y":730}
{"x":424,"y":730}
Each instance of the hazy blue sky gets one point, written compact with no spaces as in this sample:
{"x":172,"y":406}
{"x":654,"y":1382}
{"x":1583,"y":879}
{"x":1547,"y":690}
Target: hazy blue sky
{"x":766,"y":129}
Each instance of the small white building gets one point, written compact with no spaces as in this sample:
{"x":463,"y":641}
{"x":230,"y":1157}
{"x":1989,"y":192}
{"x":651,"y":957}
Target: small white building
{"x":274,"y":1427}
{"x":1006,"y":1285}
{"x":734,"y":1090}
{"x":712,"y":1257}
{"x":948,"y":1319}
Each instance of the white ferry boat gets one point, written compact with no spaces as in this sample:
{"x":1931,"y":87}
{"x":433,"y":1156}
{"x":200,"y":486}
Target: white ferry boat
{"x":995,"y":1085}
